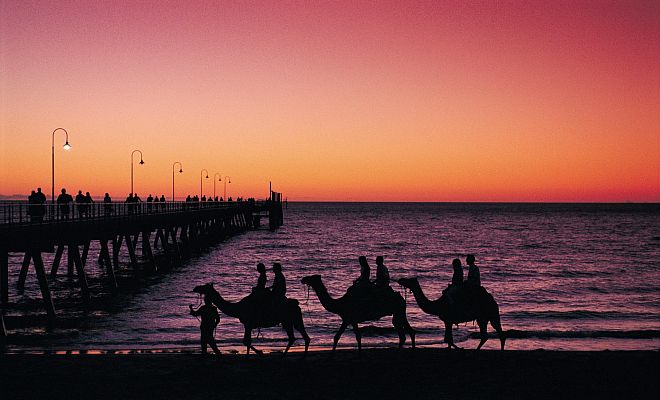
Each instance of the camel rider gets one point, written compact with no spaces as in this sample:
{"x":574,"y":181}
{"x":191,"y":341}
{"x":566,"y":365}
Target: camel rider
{"x":382,"y":274}
{"x":209,"y":320}
{"x":261,"y":281}
{"x":279,"y":283}
{"x":457,"y":278}
{"x":365,"y":273}
{"x":473,"y":277}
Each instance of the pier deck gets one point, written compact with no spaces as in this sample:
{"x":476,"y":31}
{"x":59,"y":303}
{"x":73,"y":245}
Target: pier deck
{"x":176,"y":227}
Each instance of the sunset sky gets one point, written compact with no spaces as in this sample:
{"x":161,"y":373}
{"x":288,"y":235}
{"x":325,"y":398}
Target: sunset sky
{"x":356,"y":100}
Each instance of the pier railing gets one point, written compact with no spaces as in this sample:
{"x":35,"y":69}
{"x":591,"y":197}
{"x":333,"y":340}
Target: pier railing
{"x":21,"y":212}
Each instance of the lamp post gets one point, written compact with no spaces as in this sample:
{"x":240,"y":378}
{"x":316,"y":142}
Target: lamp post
{"x":227,"y":178}
{"x":141,"y":162}
{"x":180,"y":171}
{"x":219,"y":179}
{"x":66,"y":146}
{"x":201,"y":175}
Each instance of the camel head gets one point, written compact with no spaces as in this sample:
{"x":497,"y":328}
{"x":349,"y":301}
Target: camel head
{"x":312,"y":280}
{"x":204,"y":289}
{"x":409,"y":283}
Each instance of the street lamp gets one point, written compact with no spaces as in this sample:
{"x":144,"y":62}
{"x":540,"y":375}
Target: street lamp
{"x":201,"y":175}
{"x":180,"y":171}
{"x":141,"y":162}
{"x":66,"y":146}
{"x":227,"y":178}
{"x":219,"y":179}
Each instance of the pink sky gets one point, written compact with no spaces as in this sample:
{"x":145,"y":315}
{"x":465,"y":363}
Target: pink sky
{"x":410,"y":101}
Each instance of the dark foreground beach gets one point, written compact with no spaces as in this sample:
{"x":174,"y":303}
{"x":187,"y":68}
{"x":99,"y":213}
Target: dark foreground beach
{"x":385,"y":374}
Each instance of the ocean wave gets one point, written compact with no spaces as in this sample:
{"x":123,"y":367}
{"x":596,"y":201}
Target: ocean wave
{"x":549,"y":334}
{"x":583,"y":314}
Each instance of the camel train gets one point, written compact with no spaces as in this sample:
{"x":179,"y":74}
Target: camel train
{"x":364,"y":301}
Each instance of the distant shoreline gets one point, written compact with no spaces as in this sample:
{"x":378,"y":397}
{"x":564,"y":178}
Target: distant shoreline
{"x":381,"y":373}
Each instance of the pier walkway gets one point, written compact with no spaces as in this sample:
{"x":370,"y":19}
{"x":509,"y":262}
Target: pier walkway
{"x":175,"y":227}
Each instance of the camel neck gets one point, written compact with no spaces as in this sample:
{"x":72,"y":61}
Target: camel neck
{"x":422,"y":301}
{"x":227,"y":307}
{"x":327,"y":302}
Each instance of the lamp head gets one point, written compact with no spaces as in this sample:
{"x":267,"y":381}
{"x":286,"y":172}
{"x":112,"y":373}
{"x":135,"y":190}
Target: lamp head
{"x":181,"y":170}
{"x":141,"y":161}
{"x":67,"y":146}
{"x":207,"y":177}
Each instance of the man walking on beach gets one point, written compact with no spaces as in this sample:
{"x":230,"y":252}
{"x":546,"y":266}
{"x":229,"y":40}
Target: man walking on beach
{"x":209,"y":320}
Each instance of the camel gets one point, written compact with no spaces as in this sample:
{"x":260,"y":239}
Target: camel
{"x":460,"y":309}
{"x":260,"y":311}
{"x":355,"y":307}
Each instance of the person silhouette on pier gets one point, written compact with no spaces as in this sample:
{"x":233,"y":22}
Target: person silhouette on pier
{"x":80,"y":204}
{"x":382,"y":273}
{"x":473,"y":278}
{"x":209,"y":320}
{"x":88,"y":202}
{"x":32,"y":208}
{"x":64,"y":200}
{"x":39,"y":201}
{"x":150,"y":201}
{"x":107,"y":204}
{"x":279,"y":282}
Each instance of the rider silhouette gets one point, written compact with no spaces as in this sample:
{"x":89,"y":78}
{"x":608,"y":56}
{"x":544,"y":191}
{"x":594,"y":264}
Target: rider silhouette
{"x":457,"y":278}
{"x":382,"y":274}
{"x":473,"y":277}
{"x":365,"y":273}
{"x":209,"y":320}
{"x":279,"y":283}
{"x":261,"y":281}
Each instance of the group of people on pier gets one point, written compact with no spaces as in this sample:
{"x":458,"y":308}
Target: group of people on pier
{"x":65,"y":210}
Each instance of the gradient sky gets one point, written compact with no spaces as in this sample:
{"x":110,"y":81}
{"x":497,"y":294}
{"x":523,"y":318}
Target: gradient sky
{"x":365,"y":101}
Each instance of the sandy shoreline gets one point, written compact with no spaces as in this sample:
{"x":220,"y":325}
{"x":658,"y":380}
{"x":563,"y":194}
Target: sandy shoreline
{"x":377,"y":373}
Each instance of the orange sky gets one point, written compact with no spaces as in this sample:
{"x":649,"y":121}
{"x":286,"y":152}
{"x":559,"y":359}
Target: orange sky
{"x":384,"y":101}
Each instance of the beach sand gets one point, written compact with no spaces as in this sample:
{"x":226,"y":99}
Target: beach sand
{"x":376,"y":373}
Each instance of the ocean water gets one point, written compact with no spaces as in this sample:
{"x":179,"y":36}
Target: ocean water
{"x":566,"y":277}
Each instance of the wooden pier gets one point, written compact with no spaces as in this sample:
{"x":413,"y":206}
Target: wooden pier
{"x":174,"y":227}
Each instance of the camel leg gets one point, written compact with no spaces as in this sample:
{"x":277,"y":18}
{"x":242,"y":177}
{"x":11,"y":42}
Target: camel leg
{"x":247,"y":341}
{"x":399,"y":330}
{"x":410,"y":330}
{"x":300,"y":327}
{"x":288,"y":327}
{"x":358,"y":336}
{"x":341,"y":330}
{"x":449,"y":336}
{"x":495,"y":322}
{"x":483,"y":332}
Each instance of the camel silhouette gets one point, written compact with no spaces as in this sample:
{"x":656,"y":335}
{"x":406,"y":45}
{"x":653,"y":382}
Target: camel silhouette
{"x":260,"y":311}
{"x":469,"y":304}
{"x":355,"y":307}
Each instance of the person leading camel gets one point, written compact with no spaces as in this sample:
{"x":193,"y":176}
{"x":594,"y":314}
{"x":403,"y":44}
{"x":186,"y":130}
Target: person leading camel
{"x":209,"y":320}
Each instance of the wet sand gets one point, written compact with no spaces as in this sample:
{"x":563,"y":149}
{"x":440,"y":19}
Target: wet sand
{"x":379,"y":373}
